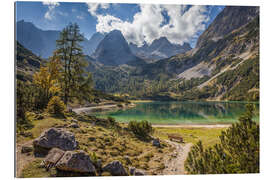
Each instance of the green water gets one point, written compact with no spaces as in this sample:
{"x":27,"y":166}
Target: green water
{"x":182,"y":112}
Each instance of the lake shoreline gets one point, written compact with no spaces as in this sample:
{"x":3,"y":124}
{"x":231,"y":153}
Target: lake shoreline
{"x":191,"y":125}
{"x":102,"y":108}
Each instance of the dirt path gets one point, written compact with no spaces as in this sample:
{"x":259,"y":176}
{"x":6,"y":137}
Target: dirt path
{"x":175,"y":165}
{"x":22,"y":159}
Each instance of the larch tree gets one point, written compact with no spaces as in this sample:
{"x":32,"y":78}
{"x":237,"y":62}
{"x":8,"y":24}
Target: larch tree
{"x":75,"y":81}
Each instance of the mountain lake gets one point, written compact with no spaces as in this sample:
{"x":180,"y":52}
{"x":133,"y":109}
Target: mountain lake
{"x":182,"y":112}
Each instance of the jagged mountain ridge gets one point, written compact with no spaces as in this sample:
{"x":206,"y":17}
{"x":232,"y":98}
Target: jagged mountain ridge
{"x":214,"y":65}
{"x":237,"y":50}
{"x":114,"y":50}
{"x":231,"y":18}
{"x":159,"y":49}
{"x":43,"y":43}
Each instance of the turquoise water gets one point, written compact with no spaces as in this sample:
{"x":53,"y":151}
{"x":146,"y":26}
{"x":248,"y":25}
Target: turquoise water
{"x":182,"y":112}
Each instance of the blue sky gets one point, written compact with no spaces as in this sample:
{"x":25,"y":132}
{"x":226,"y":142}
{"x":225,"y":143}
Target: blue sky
{"x":139,"y":23}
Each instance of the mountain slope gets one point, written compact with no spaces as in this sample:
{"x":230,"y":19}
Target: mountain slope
{"x":43,"y":43}
{"x":159,"y":49}
{"x":26,"y":62}
{"x":39,"y":42}
{"x":94,"y":41}
{"x":114,"y":50}
{"x":231,"y":18}
{"x":197,"y":73}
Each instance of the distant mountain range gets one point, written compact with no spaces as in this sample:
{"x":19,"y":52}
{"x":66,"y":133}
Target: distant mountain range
{"x":43,"y":43}
{"x":114,"y":50}
{"x":159,"y":49}
{"x":224,"y":65}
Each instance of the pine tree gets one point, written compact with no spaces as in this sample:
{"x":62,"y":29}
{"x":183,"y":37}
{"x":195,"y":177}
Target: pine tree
{"x":237,"y":152}
{"x":75,"y":81}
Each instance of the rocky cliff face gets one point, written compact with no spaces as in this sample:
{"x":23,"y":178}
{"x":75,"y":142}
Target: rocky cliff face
{"x":223,"y":68}
{"x":114,"y":50}
{"x":230,"y":19}
{"x":159,"y":49}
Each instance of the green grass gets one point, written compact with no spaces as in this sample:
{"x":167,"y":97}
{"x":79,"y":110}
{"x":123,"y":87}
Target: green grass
{"x":209,"y":136}
{"x":39,"y":127}
{"x":107,"y":143}
{"x":34,"y":169}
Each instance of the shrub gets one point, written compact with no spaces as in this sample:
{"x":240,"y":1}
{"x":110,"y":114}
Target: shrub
{"x":238,"y":151}
{"x":141,"y":129}
{"x":56,"y":106}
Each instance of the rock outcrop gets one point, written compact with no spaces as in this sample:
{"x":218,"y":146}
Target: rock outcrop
{"x":76,"y":161}
{"x":26,"y":149}
{"x":53,"y":157}
{"x":136,"y":172}
{"x":55,"y":138}
{"x":115,"y":168}
{"x":156,"y":142}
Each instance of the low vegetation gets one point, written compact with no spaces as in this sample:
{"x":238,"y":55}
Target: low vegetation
{"x":237,"y":152}
{"x":141,"y":129}
{"x":56,"y":106}
{"x":208,"y":136}
{"x":100,"y":141}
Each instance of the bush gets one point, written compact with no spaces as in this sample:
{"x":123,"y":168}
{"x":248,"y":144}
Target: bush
{"x":141,"y":129}
{"x":56,"y":106}
{"x":238,"y":151}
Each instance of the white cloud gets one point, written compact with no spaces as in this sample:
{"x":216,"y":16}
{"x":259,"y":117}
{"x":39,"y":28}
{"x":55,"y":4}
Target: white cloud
{"x":93,"y":7}
{"x":147,"y":25}
{"x":51,"y":6}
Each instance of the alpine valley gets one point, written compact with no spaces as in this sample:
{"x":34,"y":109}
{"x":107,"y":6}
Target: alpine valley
{"x":224,"y":65}
{"x":155,"y":90}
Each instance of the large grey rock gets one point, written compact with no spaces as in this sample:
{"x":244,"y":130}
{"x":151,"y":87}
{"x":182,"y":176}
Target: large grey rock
{"x":156,"y":142}
{"x":76,"y":161}
{"x":73,"y":125}
{"x":52,"y":138}
{"x":26,"y":149}
{"x":136,"y":172}
{"x":53,"y":157}
{"x":115,"y":168}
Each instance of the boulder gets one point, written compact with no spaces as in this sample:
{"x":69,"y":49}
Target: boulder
{"x":53,"y":157}
{"x":26,"y":149}
{"x":55,"y":138}
{"x":156,"y":142}
{"x":76,"y":161}
{"x":136,"y":172}
{"x":26,"y":134}
{"x":74,"y":120}
{"x":115,"y":168}
{"x":73,"y":125}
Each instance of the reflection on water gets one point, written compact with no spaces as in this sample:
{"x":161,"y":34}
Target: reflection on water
{"x":183,"y":112}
